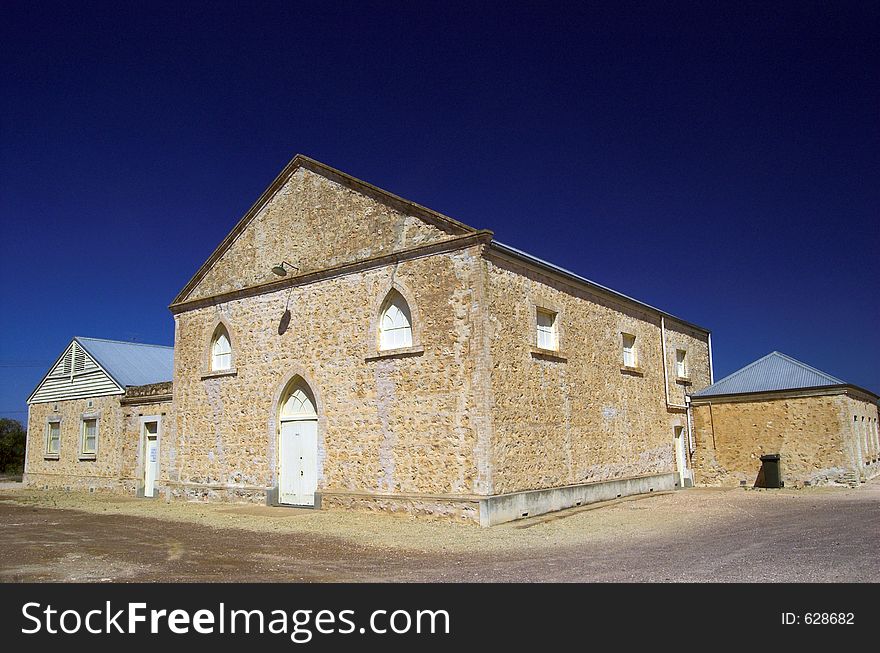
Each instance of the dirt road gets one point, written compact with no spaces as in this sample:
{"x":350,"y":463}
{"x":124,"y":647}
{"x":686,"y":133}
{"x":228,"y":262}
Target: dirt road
{"x":695,"y":535}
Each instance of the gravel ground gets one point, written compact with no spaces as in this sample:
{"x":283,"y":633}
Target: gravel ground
{"x":816,"y":534}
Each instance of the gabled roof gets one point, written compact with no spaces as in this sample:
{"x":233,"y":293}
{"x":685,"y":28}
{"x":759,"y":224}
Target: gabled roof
{"x":91,"y":367}
{"x":774,"y":372}
{"x":131,"y":363}
{"x":433,"y":217}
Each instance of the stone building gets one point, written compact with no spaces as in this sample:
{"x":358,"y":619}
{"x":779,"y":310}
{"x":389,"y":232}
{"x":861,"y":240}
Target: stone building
{"x":345,"y":347}
{"x":824,"y":429}
{"x":93,"y":420}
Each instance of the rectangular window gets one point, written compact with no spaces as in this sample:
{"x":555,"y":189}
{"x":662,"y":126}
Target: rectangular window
{"x":53,"y":439}
{"x":630,"y":358}
{"x":681,"y":370}
{"x":547,"y":335}
{"x":89,"y":443}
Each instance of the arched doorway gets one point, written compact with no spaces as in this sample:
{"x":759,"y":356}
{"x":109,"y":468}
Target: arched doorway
{"x":297,"y":445}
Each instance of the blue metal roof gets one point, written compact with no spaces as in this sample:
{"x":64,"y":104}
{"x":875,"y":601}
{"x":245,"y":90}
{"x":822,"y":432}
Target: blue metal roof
{"x":131,"y":363}
{"x":775,"y":371}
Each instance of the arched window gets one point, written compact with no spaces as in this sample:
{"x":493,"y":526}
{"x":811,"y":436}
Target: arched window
{"x":299,"y":404}
{"x":395,"y":323}
{"x":221,"y":350}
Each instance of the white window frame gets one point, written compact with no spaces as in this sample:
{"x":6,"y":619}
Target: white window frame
{"x":49,"y":424}
{"x":221,"y":361}
{"x":547,"y":336}
{"x":83,"y":453}
{"x":630,"y":352}
{"x":681,"y":368}
{"x":395,"y":329}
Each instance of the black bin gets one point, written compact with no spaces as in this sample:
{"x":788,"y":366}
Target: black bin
{"x":770,"y":471}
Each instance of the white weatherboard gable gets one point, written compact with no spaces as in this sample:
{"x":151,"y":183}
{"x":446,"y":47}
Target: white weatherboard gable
{"x":75,"y":375}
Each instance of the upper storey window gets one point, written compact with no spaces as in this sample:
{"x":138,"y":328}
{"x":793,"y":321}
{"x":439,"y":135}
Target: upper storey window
{"x":630,"y":355}
{"x":681,"y":368}
{"x":221,"y":350}
{"x":395,"y":323}
{"x":548,"y":337}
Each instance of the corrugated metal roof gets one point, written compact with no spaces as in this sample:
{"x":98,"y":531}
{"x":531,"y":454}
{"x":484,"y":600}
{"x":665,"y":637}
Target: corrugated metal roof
{"x":131,"y":363}
{"x":775,"y":371}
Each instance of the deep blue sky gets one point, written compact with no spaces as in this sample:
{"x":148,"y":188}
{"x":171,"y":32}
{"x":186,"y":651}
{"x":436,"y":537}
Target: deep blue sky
{"x":720,"y":163}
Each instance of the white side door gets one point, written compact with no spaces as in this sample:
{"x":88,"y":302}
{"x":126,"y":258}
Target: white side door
{"x":151,"y":457}
{"x":299,"y":474}
{"x":680,"y":455}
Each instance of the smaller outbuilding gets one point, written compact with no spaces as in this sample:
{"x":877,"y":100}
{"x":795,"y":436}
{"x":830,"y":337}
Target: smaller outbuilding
{"x":824,"y":429}
{"x":96,"y":418}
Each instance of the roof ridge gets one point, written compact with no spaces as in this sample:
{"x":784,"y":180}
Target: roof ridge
{"x":124,"y":365}
{"x":123,"y":342}
{"x":772,"y":372}
{"x":816,"y":370}
{"x":740,"y":370}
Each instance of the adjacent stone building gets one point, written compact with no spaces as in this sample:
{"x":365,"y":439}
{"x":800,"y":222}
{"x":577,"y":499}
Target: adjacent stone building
{"x":824,"y":429}
{"x":344,"y":347}
{"x":90,"y":416}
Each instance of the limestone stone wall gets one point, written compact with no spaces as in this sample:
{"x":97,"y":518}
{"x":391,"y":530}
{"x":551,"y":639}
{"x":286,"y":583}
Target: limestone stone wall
{"x":118,"y":464}
{"x":695,"y":345}
{"x":315,"y":224}
{"x":70,"y":469}
{"x":387,"y":424}
{"x":415,"y":505}
{"x":578,"y":417}
{"x":813,"y":434}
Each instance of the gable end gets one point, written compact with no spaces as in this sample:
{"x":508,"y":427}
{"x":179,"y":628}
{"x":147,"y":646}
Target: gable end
{"x":432,"y":218}
{"x":74,"y":375}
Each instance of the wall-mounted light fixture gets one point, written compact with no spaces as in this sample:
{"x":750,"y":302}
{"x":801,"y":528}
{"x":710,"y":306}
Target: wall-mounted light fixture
{"x":281,"y":269}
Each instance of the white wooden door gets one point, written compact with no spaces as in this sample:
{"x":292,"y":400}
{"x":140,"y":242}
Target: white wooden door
{"x":680,"y":455}
{"x":151,"y":458}
{"x":299,"y":462}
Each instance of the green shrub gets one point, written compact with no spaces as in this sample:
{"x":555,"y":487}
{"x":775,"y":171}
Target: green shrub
{"x":12,"y":439}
